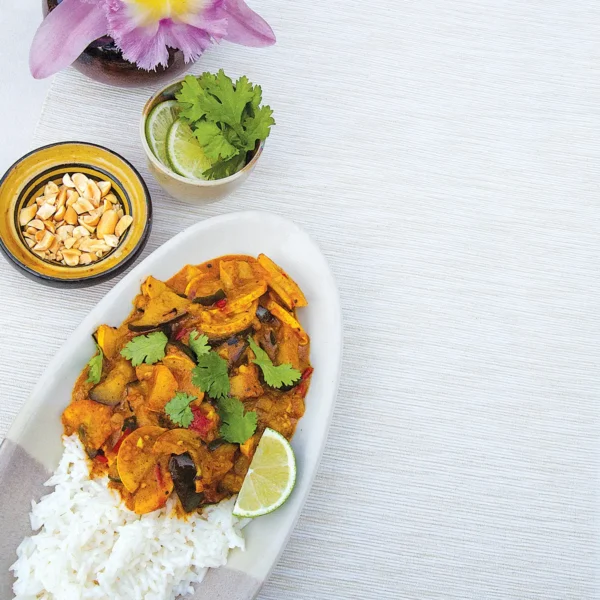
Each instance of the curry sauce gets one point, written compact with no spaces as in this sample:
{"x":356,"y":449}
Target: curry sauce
{"x":155,"y":426}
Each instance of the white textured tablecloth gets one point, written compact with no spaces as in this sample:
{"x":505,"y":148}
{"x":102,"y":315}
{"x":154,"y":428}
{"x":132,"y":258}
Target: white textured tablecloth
{"x":445,"y":155}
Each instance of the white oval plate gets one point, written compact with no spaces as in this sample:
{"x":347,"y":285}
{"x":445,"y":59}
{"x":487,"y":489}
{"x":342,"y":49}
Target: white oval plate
{"x":33,"y":445}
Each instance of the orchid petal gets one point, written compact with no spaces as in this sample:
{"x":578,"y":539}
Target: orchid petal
{"x":147,"y":45}
{"x":245,"y":27}
{"x":144,"y":46}
{"x":64,"y":34}
{"x":190,"y":40}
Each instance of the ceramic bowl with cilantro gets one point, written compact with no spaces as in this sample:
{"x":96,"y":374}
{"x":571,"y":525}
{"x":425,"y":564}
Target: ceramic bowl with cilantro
{"x":204,"y":135}
{"x":178,"y":400}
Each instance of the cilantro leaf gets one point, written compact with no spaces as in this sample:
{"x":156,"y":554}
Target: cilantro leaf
{"x":275,"y":376}
{"x":213,"y":142}
{"x":199,"y":344}
{"x":211,"y":375}
{"x":257,"y":127}
{"x":226,"y":119}
{"x":256,"y":99}
{"x":95,"y":367}
{"x":236,"y":427}
{"x":178,"y":409}
{"x":225,"y":168}
{"x":187,"y":98}
{"x":146,"y":348}
{"x":225,"y":102}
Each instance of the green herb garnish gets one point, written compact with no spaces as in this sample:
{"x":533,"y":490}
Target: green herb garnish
{"x":211,"y":375}
{"x":95,"y":366}
{"x":178,"y":409}
{"x":236,"y":427}
{"x":275,"y":376}
{"x":199,"y":344}
{"x":147,"y":349}
{"x":226,"y":118}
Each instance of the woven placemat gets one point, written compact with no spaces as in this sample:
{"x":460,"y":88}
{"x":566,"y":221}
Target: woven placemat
{"x":445,"y":157}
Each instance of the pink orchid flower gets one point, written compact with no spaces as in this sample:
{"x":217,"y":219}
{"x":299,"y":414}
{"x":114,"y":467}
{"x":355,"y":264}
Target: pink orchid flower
{"x":143,"y":30}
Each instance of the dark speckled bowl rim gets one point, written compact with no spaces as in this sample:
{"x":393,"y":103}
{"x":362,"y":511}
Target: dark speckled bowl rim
{"x":91,"y":279}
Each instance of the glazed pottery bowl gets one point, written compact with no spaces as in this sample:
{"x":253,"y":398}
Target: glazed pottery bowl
{"x":25,"y":181}
{"x":196,"y":191}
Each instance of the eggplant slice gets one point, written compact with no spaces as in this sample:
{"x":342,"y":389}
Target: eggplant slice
{"x":183,"y":473}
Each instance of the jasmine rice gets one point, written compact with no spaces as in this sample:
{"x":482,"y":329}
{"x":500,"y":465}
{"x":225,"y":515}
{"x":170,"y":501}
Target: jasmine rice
{"x":89,"y":546}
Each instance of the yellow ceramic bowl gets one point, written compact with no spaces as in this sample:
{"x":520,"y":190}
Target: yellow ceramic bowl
{"x":25,"y":181}
{"x":196,"y":191}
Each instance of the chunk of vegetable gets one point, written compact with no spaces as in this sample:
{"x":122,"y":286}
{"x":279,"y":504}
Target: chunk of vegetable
{"x":155,"y":489}
{"x":111,"y":391}
{"x":109,"y":339}
{"x":204,"y":290}
{"x":162,"y":386}
{"x":263,"y":315}
{"x":233,"y":350}
{"x":180,"y":356}
{"x":234,"y":273}
{"x":136,"y":458}
{"x":282,"y":284}
{"x":164,"y":308}
{"x":177,"y":441}
{"x":181,"y":279}
{"x":183,"y":472}
{"x":246,"y":383}
{"x":90,"y":420}
{"x":287,"y":319}
{"x":216,"y":325}
{"x":152,"y":288}
{"x":244,"y":296}
{"x":288,"y":349}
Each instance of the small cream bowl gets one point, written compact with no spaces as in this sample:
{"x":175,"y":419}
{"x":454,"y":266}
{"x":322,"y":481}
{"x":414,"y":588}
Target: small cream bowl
{"x":196,"y":191}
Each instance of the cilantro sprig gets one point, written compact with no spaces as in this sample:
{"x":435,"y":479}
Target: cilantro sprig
{"x":211,"y":375}
{"x":178,"y":409}
{"x":226,"y":118}
{"x":95,"y":366}
{"x":236,"y":426}
{"x":147,"y":349}
{"x":199,"y":344}
{"x":275,"y":376}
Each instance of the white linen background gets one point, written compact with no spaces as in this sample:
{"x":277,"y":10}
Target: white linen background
{"x":445,"y":157}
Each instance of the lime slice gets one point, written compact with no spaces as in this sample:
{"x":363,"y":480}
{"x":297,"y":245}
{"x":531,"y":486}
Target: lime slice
{"x":270,"y":478}
{"x":185,"y":153}
{"x":158,"y":123}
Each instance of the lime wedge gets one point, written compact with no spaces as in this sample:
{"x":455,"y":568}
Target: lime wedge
{"x":185,"y":153}
{"x":270,"y":478}
{"x":158,"y":123}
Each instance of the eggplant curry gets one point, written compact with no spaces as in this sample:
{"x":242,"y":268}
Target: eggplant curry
{"x":177,"y":397}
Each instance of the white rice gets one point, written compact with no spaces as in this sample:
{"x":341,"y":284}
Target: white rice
{"x":91,"y":547}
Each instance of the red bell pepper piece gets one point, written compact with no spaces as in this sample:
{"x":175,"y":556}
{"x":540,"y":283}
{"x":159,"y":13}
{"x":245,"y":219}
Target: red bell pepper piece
{"x":181,"y":333}
{"x":121,"y":439}
{"x":159,"y":476}
{"x":306,"y":373}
